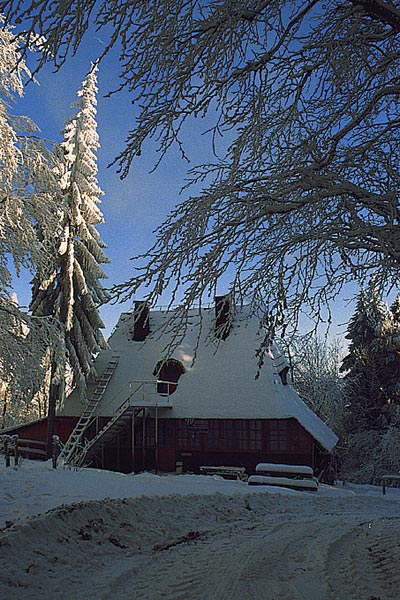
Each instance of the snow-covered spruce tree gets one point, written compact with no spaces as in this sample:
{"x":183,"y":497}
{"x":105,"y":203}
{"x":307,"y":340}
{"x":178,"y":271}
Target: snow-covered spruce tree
{"x":395,"y":311}
{"x":305,"y":196}
{"x":391,"y":359}
{"x":72,"y":291}
{"x":364,"y":377}
{"x":29,"y":200}
{"x":371,"y":389}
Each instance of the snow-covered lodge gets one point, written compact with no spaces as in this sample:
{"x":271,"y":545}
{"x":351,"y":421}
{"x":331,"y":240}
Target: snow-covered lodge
{"x":198,"y":403}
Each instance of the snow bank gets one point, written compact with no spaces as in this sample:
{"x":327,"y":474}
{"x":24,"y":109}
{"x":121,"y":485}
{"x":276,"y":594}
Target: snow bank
{"x":35,"y":487}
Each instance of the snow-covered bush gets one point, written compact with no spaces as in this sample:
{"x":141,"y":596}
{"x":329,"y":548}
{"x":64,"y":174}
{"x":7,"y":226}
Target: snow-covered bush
{"x":370,"y":454}
{"x":315,"y":363}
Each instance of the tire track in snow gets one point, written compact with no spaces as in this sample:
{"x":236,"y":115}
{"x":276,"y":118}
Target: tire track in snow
{"x":265,"y":562}
{"x":364,"y":562}
{"x":259,"y":548}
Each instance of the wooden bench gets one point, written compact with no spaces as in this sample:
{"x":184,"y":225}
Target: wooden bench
{"x":225,"y":472}
{"x":296,"y":477}
{"x":287,"y":482}
{"x":387,"y":478}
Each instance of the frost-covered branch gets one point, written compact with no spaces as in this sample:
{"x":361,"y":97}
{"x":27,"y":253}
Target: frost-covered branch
{"x":305,"y":197}
{"x":29,"y":203}
{"x":315,"y":365}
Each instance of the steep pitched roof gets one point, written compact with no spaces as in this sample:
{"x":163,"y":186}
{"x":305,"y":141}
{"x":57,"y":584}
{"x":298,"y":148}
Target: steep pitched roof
{"x":220,"y":375}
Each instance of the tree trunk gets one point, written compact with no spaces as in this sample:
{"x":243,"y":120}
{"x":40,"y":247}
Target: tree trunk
{"x":54,"y":395}
{"x":4,"y":412}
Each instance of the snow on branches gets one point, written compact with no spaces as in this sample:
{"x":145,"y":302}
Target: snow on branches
{"x":29,"y":201}
{"x":305,"y":198}
{"x":72,"y":291}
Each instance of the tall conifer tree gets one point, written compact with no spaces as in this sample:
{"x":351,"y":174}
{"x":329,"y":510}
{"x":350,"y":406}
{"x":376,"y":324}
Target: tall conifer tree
{"x":392,"y":359}
{"x":72,"y":292}
{"x":363,"y":364}
{"x":372,"y":364}
{"x":395,"y":310}
{"x":372,"y":389}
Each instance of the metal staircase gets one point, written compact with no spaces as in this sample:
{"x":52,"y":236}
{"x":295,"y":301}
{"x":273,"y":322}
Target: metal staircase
{"x":138,"y":400}
{"x":114,"y":426}
{"x":74,"y":444}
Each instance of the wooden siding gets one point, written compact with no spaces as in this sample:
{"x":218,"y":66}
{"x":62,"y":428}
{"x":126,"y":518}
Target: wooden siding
{"x":238,"y":442}
{"x":37,"y":430}
{"x":193,"y":442}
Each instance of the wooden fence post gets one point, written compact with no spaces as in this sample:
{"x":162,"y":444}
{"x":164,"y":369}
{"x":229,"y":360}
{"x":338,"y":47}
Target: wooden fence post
{"x":16,"y":449}
{"x":7,"y":449}
{"x":56,"y":447}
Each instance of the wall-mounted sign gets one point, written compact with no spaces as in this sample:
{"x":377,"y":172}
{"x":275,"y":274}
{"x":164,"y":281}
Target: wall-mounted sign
{"x":200,"y":425}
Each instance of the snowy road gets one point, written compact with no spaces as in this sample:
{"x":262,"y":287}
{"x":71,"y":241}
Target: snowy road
{"x":264,"y":547}
{"x":290,"y":561}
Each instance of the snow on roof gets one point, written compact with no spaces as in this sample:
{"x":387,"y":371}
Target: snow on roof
{"x":220,"y":376}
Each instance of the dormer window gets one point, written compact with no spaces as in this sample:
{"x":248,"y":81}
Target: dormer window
{"x":168,"y":373}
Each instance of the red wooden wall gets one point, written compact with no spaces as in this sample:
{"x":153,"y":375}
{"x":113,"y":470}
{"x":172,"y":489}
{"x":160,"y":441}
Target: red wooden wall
{"x":195,"y":442}
{"x":37,"y":430}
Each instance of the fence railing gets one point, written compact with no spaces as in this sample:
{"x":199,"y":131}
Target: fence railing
{"x":14,"y":446}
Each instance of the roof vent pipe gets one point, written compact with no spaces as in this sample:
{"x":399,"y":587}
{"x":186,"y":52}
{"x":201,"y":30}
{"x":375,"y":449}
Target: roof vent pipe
{"x":223,"y":316}
{"x":141,"y":320}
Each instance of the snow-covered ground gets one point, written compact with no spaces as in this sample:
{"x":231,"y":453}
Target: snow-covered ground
{"x":96,"y":534}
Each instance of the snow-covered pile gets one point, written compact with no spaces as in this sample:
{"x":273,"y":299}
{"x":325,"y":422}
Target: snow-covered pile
{"x":35,"y":487}
{"x":108,"y":535}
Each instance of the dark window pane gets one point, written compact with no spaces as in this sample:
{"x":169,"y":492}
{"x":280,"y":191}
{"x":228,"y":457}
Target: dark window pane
{"x":278,"y":435}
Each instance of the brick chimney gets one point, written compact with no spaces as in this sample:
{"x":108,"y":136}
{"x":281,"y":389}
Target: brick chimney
{"x":223,"y":316}
{"x":141,"y":320}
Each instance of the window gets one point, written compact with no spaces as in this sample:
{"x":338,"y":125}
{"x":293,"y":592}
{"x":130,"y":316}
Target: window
{"x":234,"y":434}
{"x":213,"y":435}
{"x":220,"y":435}
{"x":248,"y":434}
{"x":168,"y":373}
{"x":166,"y":433}
{"x":226,"y":435}
{"x":187,"y":437}
{"x":278,"y":435}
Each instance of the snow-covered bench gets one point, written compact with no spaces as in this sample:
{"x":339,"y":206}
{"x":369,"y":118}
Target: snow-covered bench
{"x":387,"y":478}
{"x":279,"y":470}
{"x":299,"y":477}
{"x":295,"y":484}
{"x":225,"y":472}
